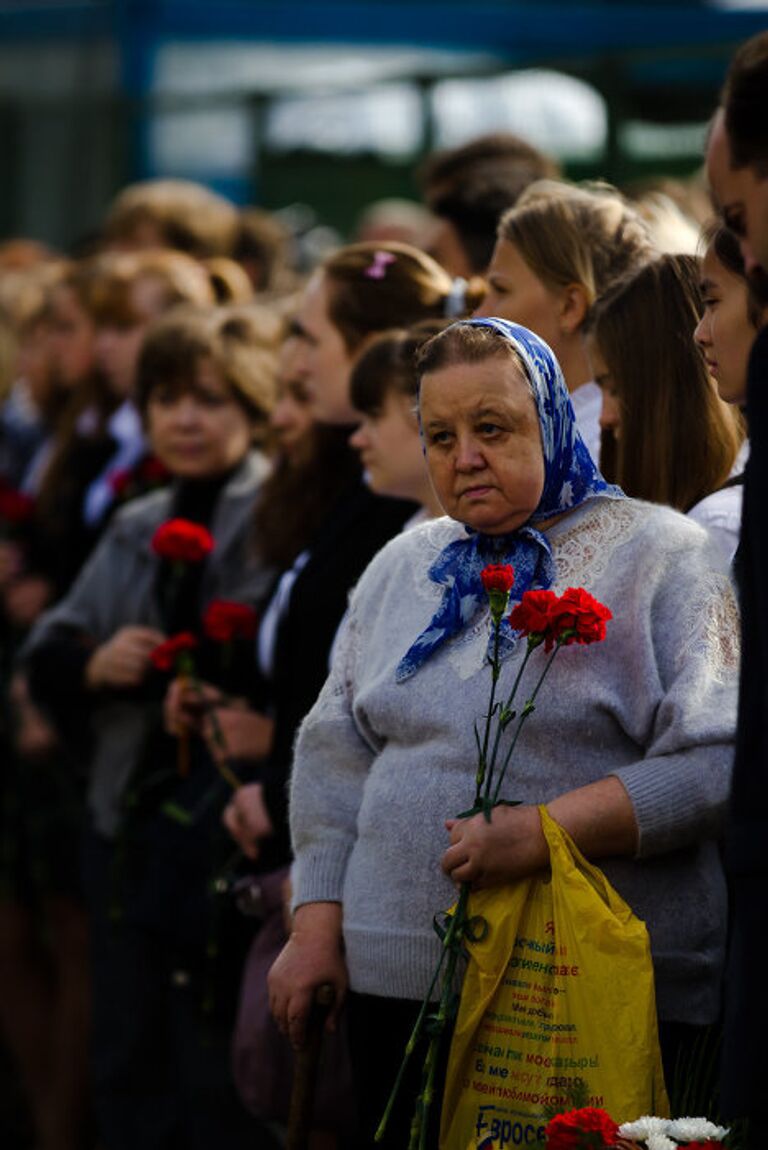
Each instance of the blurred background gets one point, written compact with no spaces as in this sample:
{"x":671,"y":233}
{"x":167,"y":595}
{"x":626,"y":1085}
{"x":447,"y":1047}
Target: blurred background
{"x":317,"y":109}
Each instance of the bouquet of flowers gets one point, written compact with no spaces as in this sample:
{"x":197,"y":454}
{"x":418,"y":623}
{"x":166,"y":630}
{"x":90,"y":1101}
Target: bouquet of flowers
{"x":183,"y":544}
{"x":592,"y":1129}
{"x":224,"y":621}
{"x":545,"y":620}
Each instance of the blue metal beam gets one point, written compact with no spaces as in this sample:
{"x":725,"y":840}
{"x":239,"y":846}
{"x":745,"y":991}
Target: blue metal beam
{"x":524,"y":32}
{"x":520,"y":30}
{"x":29,"y":20}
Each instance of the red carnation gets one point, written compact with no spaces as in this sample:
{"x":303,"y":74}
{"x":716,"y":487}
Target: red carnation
{"x":15,"y":506}
{"x":498,"y":577}
{"x":534,"y":616}
{"x":579,"y":617}
{"x":182,"y":541}
{"x":580,"y":1129}
{"x":225,"y":621}
{"x":166,"y":656}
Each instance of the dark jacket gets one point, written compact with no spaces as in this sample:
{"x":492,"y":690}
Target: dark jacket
{"x":115,"y":589}
{"x":745,"y":1055}
{"x":357,"y":527}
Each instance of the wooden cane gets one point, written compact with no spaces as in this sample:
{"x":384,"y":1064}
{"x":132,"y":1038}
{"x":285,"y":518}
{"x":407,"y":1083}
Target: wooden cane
{"x":305,"y":1068}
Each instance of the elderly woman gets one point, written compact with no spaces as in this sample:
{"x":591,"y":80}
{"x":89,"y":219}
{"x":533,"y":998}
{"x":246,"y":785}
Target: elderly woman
{"x":630,"y":751}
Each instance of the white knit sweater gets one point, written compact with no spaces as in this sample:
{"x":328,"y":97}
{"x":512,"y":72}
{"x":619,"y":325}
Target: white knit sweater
{"x":380,"y":765}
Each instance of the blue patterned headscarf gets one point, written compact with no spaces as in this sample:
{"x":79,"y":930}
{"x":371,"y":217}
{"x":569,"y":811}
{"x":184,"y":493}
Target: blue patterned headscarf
{"x":571,"y":477}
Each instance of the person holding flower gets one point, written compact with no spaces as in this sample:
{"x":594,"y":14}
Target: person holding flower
{"x":630,"y":749}
{"x":167,"y":592}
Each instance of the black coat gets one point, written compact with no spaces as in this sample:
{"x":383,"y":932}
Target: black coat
{"x":357,"y":527}
{"x":745,"y":1052}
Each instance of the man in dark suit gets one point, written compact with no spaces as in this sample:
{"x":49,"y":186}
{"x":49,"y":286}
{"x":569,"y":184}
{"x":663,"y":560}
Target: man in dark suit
{"x":737,"y":164}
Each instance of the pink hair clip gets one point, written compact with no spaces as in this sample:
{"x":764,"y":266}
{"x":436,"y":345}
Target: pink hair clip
{"x":377,"y":269}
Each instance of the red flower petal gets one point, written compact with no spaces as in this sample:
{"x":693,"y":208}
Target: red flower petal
{"x":498,"y":577}
{"x":165,"y":656}
{"x":225,"y":620}
{"x":182,"y":541}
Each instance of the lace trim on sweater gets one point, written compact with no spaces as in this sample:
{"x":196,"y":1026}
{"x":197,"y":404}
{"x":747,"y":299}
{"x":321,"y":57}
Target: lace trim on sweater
{"x":583,"y":552}
{"x":712,"y":625}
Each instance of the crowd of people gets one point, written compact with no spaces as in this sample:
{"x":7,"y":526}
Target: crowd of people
{"x":244,"y":509}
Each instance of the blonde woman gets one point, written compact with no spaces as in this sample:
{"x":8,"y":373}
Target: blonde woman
{"x":557,"y":250}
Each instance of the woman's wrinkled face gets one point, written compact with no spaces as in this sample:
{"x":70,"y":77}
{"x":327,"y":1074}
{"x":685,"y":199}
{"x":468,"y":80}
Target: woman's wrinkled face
{"x":610,"y":412}
{"x":725,"y":332}
{"x":516,"y":293}
{"x":201,"y":431}
{"x":483,"y":443}
{"x":390,"y":449}
{"x":323,"y":361}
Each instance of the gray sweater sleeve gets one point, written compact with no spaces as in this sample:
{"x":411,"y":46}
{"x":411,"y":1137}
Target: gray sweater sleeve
{"x":89,"y":607}
{"x":679,"y":788}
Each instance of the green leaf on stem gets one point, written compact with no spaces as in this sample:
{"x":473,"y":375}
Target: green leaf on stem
{"x":439,"y":928}
{"x":434,"y":1024}
{"x":506,"y":717}
{"x":475,"y":810}
{"x":476,"y":929}
{"x":178,"y":814}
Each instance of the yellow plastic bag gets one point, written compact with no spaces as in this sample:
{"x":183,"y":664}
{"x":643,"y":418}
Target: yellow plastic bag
{"x":559,"y":988}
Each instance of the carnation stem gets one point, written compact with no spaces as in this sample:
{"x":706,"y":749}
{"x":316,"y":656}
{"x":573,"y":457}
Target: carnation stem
{"x":527,"y":708}
{"x":451,"y":948}
{"x":221,"y":764}
{"x":500,"y":731}
{"x":482,"y":768}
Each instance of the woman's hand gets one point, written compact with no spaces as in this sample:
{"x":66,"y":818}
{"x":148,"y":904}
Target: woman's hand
{"x":599,"y":817}
{"x":123,"y":661}
{"x":184,"y":706}
{"x":247,"y":819}
{"x":33,"y":736}
{"x":509,"y":847}
{"x":246,"y":734}
{"x":311,"y":957}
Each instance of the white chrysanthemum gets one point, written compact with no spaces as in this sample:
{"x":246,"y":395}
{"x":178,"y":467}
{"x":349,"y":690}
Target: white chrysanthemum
{"x":660,"y":1142}
{"x":696,"y":1130}
{"x":642,"y":1128}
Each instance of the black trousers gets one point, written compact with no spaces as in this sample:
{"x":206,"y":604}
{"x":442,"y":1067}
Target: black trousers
{"x":161,"y":1076}
{"x":379,"y":1029}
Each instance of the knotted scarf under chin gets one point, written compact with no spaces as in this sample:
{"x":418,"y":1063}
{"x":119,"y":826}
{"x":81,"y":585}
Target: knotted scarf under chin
{"x":458,"y":568}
